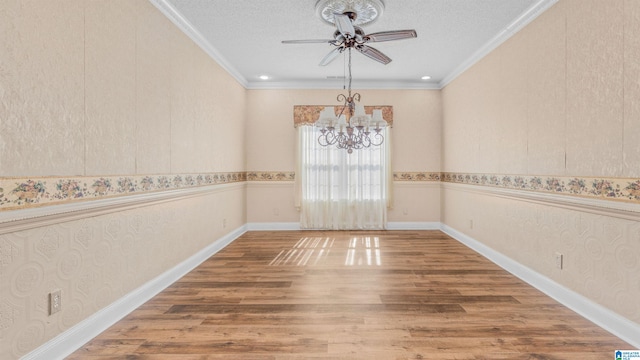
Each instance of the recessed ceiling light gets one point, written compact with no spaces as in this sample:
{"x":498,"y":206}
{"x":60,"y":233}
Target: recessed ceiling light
{"x":426,"y":77}
{"x":264,"y":77}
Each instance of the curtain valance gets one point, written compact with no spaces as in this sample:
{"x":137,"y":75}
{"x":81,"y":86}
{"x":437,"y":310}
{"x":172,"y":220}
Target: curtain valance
{"x":308,"y":114}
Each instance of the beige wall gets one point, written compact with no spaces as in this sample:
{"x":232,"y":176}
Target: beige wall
{"x":92,"y":88}
{"x":111,"y":87}
{"x":565,"y":86}
{"x":558,"y":98}
{"x":271,"y":138}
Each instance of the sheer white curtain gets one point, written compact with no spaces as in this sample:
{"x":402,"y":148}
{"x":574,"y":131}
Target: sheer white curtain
{"x":342,"y":191}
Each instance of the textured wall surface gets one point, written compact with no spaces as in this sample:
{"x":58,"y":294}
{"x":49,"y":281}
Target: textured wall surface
{"x":96,"y":88}
{"x":557,"y":100}
{"x":106,"y":90}
{"x":95,"y":261}
{"x":601,"y":253}
{"x":271,"y":139}
{"x":42,"y":81}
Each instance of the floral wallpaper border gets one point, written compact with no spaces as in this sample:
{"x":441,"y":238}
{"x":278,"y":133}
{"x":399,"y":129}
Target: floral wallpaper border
{"x":625,"y":189}
{"x":271,"y":176}
{"x":291,"y":176}
{"x":417,"y":176}
{"x":17,"y":193}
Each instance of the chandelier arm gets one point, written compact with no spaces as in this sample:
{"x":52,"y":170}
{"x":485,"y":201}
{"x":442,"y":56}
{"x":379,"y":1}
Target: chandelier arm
{"x":332,"y":137}
{"x":322,"y":140}
{"x":342,"y":142}
{"x":363,"y":140}
{"x":378,"y":139}
{"x":342,"y":97}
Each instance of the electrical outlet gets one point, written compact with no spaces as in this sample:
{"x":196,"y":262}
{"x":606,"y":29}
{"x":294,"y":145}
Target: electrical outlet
{"x":55,"y":301}
{"x":559,"y":259}
{"x":224,"y":223}
{"x":470,"y":224}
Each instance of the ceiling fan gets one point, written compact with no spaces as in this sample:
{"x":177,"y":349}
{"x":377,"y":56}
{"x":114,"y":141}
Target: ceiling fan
{"x":350,"y":36}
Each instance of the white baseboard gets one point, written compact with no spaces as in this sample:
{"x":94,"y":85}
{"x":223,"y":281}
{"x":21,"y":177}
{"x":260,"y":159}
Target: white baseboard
{"x":616,"y":324}
{"x":73,"y":338}
{"x":390,"y":226}
{"x":273,"y":226}
{"x":413,"y":226}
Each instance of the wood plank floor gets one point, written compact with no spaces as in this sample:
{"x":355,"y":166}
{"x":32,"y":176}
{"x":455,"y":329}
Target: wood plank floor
{"x":350,"y":295}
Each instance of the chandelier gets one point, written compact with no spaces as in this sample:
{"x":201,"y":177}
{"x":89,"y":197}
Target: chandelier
{"x":352,"y":128}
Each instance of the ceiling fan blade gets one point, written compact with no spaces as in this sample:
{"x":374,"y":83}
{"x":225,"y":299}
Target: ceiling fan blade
{"x":311,"y":41}
{"x":390,"y":35}
{"x":374,"y":54}
{"x":344,"y":25}
{"x":331,"y":56}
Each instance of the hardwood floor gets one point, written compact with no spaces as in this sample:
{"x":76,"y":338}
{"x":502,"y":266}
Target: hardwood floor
{"x":351,"y":295}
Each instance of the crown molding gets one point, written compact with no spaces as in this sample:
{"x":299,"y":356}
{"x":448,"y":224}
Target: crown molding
{"x":528,"y":16}
{"x":338,"y":84}
{"x":183,"y":24}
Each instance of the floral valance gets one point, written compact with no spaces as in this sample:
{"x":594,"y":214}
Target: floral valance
{"x":308,"y":114}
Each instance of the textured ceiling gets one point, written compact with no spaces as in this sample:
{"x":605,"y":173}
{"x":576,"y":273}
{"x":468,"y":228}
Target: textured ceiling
{"x":245,"y":37}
